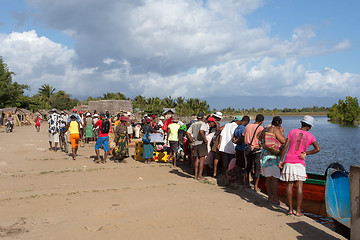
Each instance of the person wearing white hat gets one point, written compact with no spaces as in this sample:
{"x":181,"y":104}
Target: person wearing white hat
{"x":160,"y":122}
{"x":218,"y":116}
{"x":294,"y":170}
{"x":95,"y":128}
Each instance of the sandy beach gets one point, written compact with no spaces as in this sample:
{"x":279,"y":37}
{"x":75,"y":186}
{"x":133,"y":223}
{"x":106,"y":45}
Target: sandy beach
{"x":47,"y":195}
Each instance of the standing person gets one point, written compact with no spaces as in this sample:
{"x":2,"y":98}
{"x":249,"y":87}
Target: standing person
{"x":63,"y":122}
{"x":37,"y":123}
{"x":161,"y":121}
{"x":153,"y":121}
{"x":75,"y":134}
{"x":227,"y":147}
{"x":173,"y":139}
{"x":148,"y":148}
{"x":215,"y":141}
{"x":95,"y":128}
{"x":196,"y":136}
{"x":122,"y":140}
{"x":209,"y":159}
{"x":294,"y":170}
{"x":251,"y":134}
{"x":103,"y":139}
{"x":81,"y":117}
{"x":130,"y":129}
{"x":88,"y":127}
{"x":54,"y":128}
{"x":270,"y":161}
{"x":238,"y":139}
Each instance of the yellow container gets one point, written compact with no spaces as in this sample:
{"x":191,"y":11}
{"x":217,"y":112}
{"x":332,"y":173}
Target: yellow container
{"x":158,"y":156}
{"x":161,"y":156}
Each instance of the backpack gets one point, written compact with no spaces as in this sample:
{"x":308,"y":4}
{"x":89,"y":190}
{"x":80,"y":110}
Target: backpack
{"x":105,"y":126}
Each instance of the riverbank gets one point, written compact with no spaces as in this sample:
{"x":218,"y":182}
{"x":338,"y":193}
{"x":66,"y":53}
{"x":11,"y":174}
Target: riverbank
{"x":46,"y":195}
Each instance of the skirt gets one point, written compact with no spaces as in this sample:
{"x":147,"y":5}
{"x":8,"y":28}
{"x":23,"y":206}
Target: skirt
{"x":148,"y":150}
{"x":293,"y":172}
{"x":122,"y":147}
{"x":272,"y":171}
{"x":88,"y":131}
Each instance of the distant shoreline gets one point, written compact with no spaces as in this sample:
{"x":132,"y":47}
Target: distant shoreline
{"x":227,"y":118}
{"x":281,"y":114}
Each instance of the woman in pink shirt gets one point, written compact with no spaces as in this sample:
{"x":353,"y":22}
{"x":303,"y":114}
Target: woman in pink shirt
{"x":294,"y":170}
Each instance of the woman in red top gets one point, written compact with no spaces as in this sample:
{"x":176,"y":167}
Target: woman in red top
{"x":37,"y":124}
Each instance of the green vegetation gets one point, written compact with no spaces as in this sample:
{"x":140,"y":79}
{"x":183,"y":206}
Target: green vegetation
{"x":347,"y":111}
{"x":182,"y":106}
{"x":12,"y":94}
{"x":108,"y":96}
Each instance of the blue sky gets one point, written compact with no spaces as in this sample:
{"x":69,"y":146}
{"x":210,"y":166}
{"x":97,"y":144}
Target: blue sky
{"x":333,"y":21}
{"x":265,"y":49}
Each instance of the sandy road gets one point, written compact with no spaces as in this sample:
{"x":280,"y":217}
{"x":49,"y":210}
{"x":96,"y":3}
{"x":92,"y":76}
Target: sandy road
{"x":47,"y":195}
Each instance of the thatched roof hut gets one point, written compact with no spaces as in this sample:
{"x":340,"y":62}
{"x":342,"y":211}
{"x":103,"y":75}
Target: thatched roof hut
{"x":43,"y":113}
{"x":21,"y":116}
{"x":113,"y":106}
{"x":168,"y":112}
{"x":82,"y":108}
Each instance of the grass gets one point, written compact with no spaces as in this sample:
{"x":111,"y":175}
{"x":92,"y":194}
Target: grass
{"x":207,"y":182}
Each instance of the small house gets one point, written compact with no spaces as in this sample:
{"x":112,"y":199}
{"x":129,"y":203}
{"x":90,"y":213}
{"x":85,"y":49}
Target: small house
{"x":168,"y":112}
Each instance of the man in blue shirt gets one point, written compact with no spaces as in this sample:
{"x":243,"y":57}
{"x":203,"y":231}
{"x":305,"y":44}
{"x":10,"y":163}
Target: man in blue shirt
{"x":238,"y":139}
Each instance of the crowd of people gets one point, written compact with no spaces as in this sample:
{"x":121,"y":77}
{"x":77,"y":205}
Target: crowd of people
{"x":240,"y":150}
{"x":111,"y":133}
{"x":244,"y":150}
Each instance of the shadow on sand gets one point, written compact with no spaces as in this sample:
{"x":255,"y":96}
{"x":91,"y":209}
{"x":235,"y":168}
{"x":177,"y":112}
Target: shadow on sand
{"x":308,"y":231}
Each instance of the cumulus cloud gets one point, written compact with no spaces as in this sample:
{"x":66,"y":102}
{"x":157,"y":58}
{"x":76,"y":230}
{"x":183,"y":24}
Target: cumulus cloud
{"x":189,"y":48}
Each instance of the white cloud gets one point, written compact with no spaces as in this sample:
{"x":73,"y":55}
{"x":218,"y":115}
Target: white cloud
{"x":169,"y":47}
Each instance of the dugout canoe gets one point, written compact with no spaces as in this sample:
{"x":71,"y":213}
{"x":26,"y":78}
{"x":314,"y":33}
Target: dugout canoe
{"x":313,"y":187}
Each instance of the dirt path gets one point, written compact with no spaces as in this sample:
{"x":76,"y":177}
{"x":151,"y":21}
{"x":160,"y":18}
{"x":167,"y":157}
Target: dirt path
{"x":47,"y":195}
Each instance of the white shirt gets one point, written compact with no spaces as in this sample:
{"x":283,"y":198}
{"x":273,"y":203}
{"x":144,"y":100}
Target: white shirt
{"x":226,"y":144}
{"x":160,"y":123}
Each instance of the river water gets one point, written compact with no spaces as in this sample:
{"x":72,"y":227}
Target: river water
{"x":338,"y":143}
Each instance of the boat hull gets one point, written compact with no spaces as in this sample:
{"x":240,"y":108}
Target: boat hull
{"x":313,"y":187}
{"x":313,"y":190}
{"x":337,"y":197}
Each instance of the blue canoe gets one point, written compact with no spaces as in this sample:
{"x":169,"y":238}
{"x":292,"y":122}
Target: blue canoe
{"x":337,"y":197}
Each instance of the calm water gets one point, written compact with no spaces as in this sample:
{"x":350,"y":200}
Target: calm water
{"x":338,"y":143}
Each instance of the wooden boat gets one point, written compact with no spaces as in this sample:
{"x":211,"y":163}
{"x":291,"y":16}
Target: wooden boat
{"x":313,"y":189}
{"x":337,"y":199}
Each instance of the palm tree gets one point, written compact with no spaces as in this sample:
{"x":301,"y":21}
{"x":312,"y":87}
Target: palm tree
{"x":168,"y":102}
{"x":45,"y":92}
